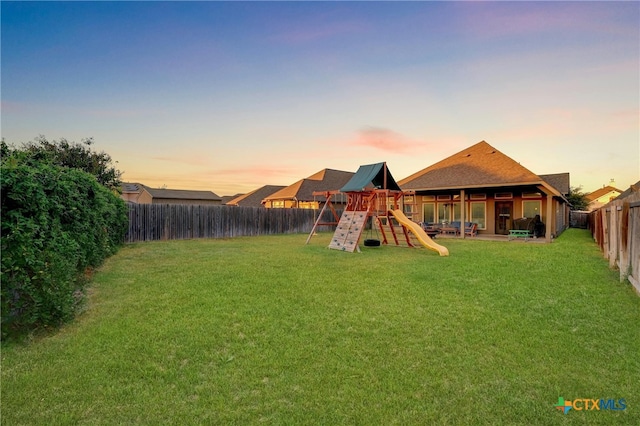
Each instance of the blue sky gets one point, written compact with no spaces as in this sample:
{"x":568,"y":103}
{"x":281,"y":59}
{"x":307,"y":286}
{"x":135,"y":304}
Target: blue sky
{"x":229,"y":96}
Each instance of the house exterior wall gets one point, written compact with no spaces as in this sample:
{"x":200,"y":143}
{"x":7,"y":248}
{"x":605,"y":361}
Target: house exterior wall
{"x":142,"y":197}
{"x":520,"y":200}
{"x":280,"y":204}
{"x":602,"y":200}
{"x":293,"y":204}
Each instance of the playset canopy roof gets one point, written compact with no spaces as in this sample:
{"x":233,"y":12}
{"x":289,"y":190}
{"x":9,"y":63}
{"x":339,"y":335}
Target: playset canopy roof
{"x":371,"y":176}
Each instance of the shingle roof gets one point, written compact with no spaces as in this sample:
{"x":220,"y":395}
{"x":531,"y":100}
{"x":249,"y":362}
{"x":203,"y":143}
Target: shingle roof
{"x":255,"y":197}
{"x":302,"y":190}
{"x":478,"y":165}
{"x":182,"y":194}
{"x":227,"y":198}
{"x":601,"y":192}
{"x":131,"y":187}
{"x":559,"y":181}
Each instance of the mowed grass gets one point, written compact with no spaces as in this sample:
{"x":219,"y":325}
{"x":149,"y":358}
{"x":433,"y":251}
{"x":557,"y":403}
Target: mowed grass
{"x":270,"y":330}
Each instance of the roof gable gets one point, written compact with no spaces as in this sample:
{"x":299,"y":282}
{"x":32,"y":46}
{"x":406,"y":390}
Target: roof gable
{"x":255,"y":197}
{"x":478,"y":165}
{"x":302,"y":190}
{"x":601,"y":192}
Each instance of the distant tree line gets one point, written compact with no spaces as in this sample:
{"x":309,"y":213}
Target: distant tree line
{"x":61,"y":217}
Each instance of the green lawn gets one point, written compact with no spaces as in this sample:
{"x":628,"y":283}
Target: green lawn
{"x":269,"y":330}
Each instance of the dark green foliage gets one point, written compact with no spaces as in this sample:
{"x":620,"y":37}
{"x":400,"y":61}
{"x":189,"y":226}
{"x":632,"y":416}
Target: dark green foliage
{"x":73,"y":155}
{"x":57,"y":223}
{"x":577,"y":199}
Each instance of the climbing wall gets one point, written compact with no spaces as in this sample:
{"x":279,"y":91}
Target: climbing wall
{"x":348,"y":231}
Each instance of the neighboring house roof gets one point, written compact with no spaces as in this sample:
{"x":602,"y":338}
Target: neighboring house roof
{"x":173,"y":194}
{"x":183,"y":194}
{"x":302,"y":190}
{"x":371,"y":176}
{"x":479,"y":166}
{"x":602,"y":192}
{"x":629,"y":191}
{"x":255,"y":197}
{"x":227,"y":198}
{"x":131,"y":187}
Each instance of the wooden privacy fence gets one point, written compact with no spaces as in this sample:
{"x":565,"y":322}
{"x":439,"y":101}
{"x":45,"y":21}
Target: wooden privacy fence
{"x":151,"y":222}
{"x":578,"y":219}
{"x":616,"y":229}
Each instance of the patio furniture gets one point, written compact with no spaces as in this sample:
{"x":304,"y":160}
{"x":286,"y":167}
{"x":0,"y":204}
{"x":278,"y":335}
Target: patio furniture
{"x":519,"y":233}
{"x":431,"y":229}
{"x":471,"y":229}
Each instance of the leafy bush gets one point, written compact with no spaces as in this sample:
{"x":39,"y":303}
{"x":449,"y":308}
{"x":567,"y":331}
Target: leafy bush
{"x":74,"y":155}
{"x":56,"y":223}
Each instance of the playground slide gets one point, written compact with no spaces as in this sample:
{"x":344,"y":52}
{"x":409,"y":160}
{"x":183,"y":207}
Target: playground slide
{"x":419,"y":233}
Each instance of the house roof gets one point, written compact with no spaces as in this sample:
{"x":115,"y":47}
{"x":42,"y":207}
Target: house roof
{"x":227,"y":198}
{"x":559,"y":181}
{"x":371,"y":176}
{"x":632,"y":189}
{"x":131,"y":187}
{"x":182,"y":194}
{"x":302,"y":190}
{"x":255,"y":197}
{"x":479,"y":166}
{"x":601,"y":192}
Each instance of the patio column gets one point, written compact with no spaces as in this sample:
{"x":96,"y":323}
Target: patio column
{"x":462,"y":209}
{"x":550,"y":218}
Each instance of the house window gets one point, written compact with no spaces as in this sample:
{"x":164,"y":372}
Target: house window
{"x":531,"y":195}
{"x":448,"y":212}
{"x":428,"y":198}
{"x":503,"y":195}
{"x":456,"y":211}
{"x":479,"y":214}
{"x":277,"y":204}
{"x":408,"y":210}
{"x":478,"y":196}
{"x":429,"y":212}
{"x":444,"y":197}
{"x":308,"y":205}
{"x":531,"y":208}
{"x":444,"y":214}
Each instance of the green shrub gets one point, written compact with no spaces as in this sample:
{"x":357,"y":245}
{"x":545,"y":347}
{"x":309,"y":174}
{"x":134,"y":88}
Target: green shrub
{"x":56,"y":223}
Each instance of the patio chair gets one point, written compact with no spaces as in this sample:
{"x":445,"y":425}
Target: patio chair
{"x":471,"y":229}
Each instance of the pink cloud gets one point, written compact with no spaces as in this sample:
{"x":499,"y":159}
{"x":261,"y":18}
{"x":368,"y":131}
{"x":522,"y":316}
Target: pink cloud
{"x":385,"y":140}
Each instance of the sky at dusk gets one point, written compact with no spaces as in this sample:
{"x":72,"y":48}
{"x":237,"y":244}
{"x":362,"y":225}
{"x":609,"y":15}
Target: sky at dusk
{"x":230,"y":96}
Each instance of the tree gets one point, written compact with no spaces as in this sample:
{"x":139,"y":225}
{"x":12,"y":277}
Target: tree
{"x":75,"y":155}
{"x":577,"y":198}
